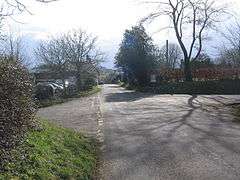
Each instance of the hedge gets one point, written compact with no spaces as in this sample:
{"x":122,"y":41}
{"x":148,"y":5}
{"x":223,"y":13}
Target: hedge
{"x":16,"y":107}
{"x":196,"y":87}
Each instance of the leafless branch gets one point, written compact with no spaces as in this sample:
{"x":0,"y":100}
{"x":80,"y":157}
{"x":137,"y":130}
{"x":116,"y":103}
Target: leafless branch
{"x":199,"y":15}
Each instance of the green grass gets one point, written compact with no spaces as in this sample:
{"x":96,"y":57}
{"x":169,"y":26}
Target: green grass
{"x":52,"y":153}
{"x":51,"y":102}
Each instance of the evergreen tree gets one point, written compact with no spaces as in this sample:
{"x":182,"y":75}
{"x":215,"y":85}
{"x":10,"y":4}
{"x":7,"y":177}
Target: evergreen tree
{"x":136,"y":56}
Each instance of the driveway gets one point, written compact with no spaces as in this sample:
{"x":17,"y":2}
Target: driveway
{"x":151,"y":137}
{"x":80,"y":114}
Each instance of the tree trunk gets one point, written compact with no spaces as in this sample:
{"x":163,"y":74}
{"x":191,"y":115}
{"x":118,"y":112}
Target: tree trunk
{"x":187,"y":70}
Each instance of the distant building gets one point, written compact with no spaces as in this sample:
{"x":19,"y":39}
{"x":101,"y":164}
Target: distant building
{"x":43,"y":74}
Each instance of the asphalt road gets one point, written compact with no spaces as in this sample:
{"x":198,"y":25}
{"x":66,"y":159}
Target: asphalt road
{"x":180,"y":137}
{"x":80,"y":114}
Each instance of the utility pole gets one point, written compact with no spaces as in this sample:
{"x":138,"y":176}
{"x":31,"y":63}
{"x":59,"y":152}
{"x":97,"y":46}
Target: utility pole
{"x":167,"y":49}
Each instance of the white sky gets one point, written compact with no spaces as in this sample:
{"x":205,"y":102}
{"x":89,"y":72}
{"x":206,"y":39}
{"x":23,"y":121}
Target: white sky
{"x":106,"y":19}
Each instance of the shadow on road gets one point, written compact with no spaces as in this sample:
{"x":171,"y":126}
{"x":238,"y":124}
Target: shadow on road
{"x":161,"y":134}
{"x":128,"y":96}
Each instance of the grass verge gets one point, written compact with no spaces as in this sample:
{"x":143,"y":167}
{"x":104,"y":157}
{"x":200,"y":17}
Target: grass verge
{"x":52,"y":153}
{"x":51,"y":102}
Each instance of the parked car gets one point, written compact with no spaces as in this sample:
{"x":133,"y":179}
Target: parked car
{"x":100,"y":82}
{"x":48,"y":90}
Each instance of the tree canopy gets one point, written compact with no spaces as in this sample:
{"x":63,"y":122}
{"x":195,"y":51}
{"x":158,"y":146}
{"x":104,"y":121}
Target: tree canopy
{"x":136,"y":55}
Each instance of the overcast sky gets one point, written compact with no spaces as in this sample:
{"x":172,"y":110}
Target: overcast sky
{"x":107,"y":19}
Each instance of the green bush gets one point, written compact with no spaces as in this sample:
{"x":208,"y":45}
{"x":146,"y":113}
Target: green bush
{"x":89,"y":83}
{"x":16,"y":107}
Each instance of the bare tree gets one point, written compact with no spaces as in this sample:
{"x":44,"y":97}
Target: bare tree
{"x":74,"y":52}
{"x":174,"y":56}
{"x":230,"y":50}
{"x":13,"y":47}
{"x":229,"y":57}
{"x":53,"y":54}
{"x":198,"y":15}
{"x":9,"y":8}
{"x":82,"y":53}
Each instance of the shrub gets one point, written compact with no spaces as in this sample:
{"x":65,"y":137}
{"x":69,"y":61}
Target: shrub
{"x":196,"y":87}
{"x":16,"y":107}
{"x":89,"y":83}
{"x":202,"y":74}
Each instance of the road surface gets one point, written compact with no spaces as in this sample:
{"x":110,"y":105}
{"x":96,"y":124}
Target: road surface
{"x":180,"y":137}
{"x":80,"y":114}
